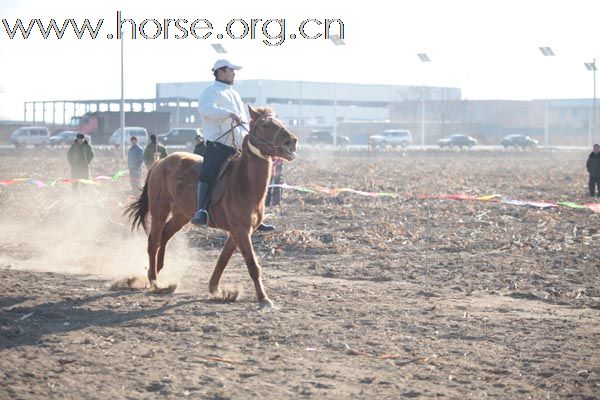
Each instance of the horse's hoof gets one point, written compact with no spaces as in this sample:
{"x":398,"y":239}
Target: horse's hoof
{"x":162,"y":290}
{"x":267,"y":304}
{"x":225,"y":296}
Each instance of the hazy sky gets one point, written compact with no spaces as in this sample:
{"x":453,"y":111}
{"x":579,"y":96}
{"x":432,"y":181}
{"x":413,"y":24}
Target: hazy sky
{"x":487,"y":48}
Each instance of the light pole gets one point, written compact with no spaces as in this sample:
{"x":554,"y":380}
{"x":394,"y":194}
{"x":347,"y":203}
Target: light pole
{"x":592,"y":131}
{"x":300,"y":104}
{"x":424,"y":58}
{"x":1,"y":100}
{"x":122,"y":112}
{"x":338,"y":41}
{"x":335,"y":97}
{"x":547,"y":52}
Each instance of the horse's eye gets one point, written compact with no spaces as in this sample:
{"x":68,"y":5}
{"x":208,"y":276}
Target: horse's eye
{"x":287,"y":143}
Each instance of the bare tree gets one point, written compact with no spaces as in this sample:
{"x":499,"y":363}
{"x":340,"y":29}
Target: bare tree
{"x":444,"y":107}
{"x":406,"y":106}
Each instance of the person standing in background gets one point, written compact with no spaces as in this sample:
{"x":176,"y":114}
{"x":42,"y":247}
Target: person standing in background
{"x":135,"y":158}
{"x":274,"y":193}
{"x":593,"y":167}
{"x":80,"y":157}
{"x":153,"y":152}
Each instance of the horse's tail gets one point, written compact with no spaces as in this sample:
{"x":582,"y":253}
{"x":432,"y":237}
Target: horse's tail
{"x":137,"y":211}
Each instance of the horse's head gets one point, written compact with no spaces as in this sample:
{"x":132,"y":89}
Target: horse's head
{"x":270,"y":135}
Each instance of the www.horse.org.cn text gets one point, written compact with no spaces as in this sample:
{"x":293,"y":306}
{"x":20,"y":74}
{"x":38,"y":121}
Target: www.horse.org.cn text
{"x":272,"y":31}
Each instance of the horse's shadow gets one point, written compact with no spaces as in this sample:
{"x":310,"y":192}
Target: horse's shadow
{"x":29,"y":325}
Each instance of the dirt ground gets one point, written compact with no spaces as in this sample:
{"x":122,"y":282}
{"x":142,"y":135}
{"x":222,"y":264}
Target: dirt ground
{"x":380,"y":298}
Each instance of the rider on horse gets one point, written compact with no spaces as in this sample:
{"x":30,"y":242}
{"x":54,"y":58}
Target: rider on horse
{"x":224,"y":124}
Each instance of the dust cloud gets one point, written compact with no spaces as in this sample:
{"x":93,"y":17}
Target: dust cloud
{"x":320,"y":158}
{"x":81,"y":232}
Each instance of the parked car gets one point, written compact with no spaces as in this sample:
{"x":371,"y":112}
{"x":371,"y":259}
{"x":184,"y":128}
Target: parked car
{"x":326,"y":137}
{"x":518,"y":141}
{"x":180,"y":136}
{"x":66,"y":138}
{"x":139,"y":132}
{"x":37,"y":136}
{"x":457,"y":141}
{"x":391,"y":137}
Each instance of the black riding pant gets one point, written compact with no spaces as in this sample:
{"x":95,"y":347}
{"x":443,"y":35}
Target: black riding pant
{"x":594,"y":185}
{"x":216,"y":154}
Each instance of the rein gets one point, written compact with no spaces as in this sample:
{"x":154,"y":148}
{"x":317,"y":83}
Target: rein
{"x":254,"y":134}
{"x":230,"y":130}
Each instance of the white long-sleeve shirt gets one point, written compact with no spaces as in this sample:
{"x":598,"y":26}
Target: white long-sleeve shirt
{"x":216,"y":103}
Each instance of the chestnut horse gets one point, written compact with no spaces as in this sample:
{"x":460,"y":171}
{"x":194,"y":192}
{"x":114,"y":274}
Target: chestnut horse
{"x":170,"y":188}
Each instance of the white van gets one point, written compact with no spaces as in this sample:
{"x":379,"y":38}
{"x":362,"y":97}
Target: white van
{"x":140,"y":133}
{"x":391,"y":137}
{"x":37,"y":136}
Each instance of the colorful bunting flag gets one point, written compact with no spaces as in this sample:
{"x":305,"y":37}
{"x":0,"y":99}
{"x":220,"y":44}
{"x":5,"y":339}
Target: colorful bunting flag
{"x":595,"y":207}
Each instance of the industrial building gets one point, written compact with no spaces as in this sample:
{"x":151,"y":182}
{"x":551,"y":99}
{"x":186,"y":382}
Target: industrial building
{"x":358,"y":110}
{"x":317,"y":105}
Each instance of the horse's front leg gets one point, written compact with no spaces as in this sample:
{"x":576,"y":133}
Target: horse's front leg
{"x":213,"y":285}
{"x":242,"y":237}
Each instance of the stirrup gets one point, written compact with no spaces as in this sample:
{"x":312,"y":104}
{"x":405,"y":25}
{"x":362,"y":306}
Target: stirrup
{"x":200,"y":218}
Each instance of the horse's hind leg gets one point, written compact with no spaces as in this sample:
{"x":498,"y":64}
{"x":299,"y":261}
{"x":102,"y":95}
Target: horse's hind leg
{"x":213,"y":286}
{"x":159,"y":216}
{"x":172,"y":226}
{"x":242,"y":238}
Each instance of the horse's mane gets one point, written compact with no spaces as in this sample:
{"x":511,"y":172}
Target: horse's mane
{"x":265,"y":111}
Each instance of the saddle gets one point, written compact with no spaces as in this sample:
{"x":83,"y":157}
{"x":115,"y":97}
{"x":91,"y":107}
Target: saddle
{"x":220,"y":184}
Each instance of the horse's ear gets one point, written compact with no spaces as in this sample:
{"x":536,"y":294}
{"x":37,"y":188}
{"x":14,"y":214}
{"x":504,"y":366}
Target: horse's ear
{"x":253,"y":114}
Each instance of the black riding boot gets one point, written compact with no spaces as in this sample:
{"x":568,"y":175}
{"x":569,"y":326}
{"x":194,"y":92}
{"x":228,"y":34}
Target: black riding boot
{"x":201,"y":216}
{"x":265,"y":228}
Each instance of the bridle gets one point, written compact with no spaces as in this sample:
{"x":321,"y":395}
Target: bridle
{"x":253,"y":132}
